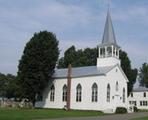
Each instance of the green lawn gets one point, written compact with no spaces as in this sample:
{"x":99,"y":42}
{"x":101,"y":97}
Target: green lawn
{"x":29,"y":114}
{"x":144,"y":118}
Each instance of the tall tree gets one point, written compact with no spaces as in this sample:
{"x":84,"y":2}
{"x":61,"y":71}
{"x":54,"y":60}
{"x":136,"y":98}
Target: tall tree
{"x":70,"y":56}
{"x":78,"y":58}
{"x":8,"y":86}
{"x":129,"y":72}
{"x":3,"y":84}
{"x":37,"y":64}
{"x":144,"y":75}
{"x":11,"y":87}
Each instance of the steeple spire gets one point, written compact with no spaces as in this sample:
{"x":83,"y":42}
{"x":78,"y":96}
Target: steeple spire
{"x":108,"y":50}
{"x":109,"y":35}
{"x":109,"y":3}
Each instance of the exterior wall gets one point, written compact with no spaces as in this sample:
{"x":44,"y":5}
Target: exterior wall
{"x":102,"y":81}
{"x":115,"y":75}
{"x":108,"y":61}
{"x":86,"y":103}
{"x":57,"y":103}
{"x":137,"y":98}
{"x":86,"y":82}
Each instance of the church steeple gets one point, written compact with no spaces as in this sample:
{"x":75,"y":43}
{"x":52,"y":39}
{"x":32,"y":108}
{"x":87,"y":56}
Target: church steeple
{"x":109,"y":35}
{"x":108,"y":49}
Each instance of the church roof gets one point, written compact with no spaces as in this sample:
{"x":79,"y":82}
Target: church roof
{"x":109,"y":35}
{"x":140,"y":89}
{"x":82,"y":71}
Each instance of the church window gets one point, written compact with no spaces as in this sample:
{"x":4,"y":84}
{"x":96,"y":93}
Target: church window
{"x":78,"y":93}
{"x":94,"y":92}
{"x":52,"y":93}
{"x":123,"y":95}
{"x":64,"y":93}
{"x":108,"y":93}
{"x":146,"y":103}
{"x":117,"y":86}
{"x":135,"y":103}
{"x":112,"y":97}
{"x":144,"y":94}
{"x":131,"y":94}
{"x":140,"y":103}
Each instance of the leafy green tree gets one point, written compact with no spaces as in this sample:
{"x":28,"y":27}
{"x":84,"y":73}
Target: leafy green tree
{"x":11,"y":86}
{"x":8,"y":86}
{"x":61,"y":63}
{"x":144,"y":75}
{"x":2,"y":85}
{"x":78,"y":58}
{"x":37,"y":64}
{"x":129,"y":72}
{"x":70,"y":56}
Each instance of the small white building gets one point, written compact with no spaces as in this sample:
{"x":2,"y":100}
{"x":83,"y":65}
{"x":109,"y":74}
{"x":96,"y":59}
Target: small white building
{"x":102,"y":87}
{"x":139,"y":98}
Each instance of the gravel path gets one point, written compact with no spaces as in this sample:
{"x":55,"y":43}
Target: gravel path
{"x":108,"y":117}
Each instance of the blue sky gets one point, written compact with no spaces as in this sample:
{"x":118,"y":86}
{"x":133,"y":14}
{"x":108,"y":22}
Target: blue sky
{"x":75,"y":22}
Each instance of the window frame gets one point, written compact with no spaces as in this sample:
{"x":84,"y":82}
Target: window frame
{"x":144,"y":94}
{"x":94,"y":97}
{"x":117,"y":86}
{"x":52,"y":93}
{"x":64,"y":94}
{"x":79,"y":93}
{"x":108,"y":93}
{"x":124,"y":99}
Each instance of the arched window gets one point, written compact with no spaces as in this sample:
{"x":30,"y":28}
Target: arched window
{"x":108,"y":93}
{"x":123,"y":95}
{"x":78,"y":93}
{"x":144,"y":94}
{"x":131,"y":94}
{"x":64,"y":93}
{"x":117,"y":86}
{"x":94,"y":92}
{"x":52,"y":93}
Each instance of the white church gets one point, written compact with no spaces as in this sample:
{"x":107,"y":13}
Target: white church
{"x":102,"y":87}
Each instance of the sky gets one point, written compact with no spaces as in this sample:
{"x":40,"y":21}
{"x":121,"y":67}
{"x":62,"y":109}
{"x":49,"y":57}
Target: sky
{"x":75,"y":22}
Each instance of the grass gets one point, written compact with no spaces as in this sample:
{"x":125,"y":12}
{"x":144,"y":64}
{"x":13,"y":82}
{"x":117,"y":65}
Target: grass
{"x":30,"y":114}
{"x":144,"y":118}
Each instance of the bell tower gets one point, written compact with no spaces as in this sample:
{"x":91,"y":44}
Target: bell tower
{"x":108,"y":53}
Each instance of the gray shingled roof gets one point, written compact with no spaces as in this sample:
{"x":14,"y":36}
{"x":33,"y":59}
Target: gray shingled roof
{"x":109,"y":35}
{"x":82,"y":71}
{"x":140,"y":89}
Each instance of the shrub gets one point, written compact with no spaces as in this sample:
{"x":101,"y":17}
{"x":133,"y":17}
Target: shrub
{"x":135,"y":109}
{"x":121,"y":110}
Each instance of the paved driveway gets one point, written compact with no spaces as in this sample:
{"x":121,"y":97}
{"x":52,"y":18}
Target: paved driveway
{"x":108,"y":117}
